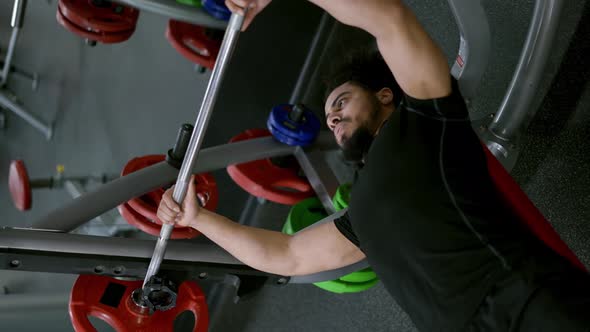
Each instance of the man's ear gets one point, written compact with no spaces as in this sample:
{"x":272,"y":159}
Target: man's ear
{"x":385,"y":96}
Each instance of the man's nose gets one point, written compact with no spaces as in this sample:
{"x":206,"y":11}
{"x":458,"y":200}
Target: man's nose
{"x":333,"y":120}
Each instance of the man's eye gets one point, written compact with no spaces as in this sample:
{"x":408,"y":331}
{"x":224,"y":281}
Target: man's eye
{"x":341,"y":103}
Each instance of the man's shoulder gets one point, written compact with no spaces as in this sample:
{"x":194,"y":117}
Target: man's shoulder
{"x":450,"y":107}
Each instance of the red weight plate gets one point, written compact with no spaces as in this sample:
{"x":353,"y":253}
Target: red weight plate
{"x":112,"y":17}
{"x":19,"y":186}
{"x":147,"y":205}
{"x":103,"y":37}
{"x":142,"y":211}
{"x":88,"y":298}
{"x":154,"y":227}
{"x":519,"y":202}
{"x":192,"y":42}
{"x":261,"y":178}
{"x":138,"y":163}
{"x":207,"y":188}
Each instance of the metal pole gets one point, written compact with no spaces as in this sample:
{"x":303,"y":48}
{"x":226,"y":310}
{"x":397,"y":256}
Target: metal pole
{"x":94,"y":203}
{"x":80,"y":246}
{"x":313,"y":56}
{"x":9,"y":53}
{"x":249,"y":211}
{"x":56,"y":252}
{"x":18,"y":12}
{"x":227,"y":48}
{"x":515,"y":112}
{"x":9,"y":104}
{"x":323,"y":193}
{"x":16,"y":21}
{"x":19,"y":303}
{"x":519,"y":107}
{"x":475,"y":44}
{"x":75,"y":189}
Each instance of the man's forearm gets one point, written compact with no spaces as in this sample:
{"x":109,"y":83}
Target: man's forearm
{"x":259,"y":248}
{"x":418,"y":64}
{"x":369,"y":15}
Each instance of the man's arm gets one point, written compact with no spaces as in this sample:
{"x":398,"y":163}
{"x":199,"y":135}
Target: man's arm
{"x":415,"y":60}
{"x":313,"y":250}
{"x":418,"y":64}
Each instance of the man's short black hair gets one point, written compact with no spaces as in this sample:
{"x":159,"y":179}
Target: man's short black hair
{"x":365,"y":68}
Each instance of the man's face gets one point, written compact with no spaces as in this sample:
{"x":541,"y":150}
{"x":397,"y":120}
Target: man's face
{"x":350,"y":108}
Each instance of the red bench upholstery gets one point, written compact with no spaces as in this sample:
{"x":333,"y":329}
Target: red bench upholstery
{"x":527,"y":211}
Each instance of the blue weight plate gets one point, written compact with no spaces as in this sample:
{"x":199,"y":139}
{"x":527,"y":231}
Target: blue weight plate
{"x":281,"y":137}
{"x":217,"y":9}
{"x":304,"y":131}
{"x":220,"y":15}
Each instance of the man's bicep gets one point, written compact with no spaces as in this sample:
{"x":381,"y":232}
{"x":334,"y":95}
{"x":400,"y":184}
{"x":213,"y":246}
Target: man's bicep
{"x":322,"y":248}
{"x":418,"y":64}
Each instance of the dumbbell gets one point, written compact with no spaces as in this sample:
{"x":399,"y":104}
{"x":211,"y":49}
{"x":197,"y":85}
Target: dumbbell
{"x":21,"y":186}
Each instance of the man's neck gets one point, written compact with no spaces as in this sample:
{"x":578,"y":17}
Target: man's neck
{"x":383,"y":121}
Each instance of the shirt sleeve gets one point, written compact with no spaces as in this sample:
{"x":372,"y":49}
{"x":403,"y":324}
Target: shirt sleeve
{"x":451,"y":107}
{"x":344,"y":226}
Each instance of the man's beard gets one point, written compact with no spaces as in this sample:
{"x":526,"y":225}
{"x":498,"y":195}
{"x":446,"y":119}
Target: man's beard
{"x":355,"y":148}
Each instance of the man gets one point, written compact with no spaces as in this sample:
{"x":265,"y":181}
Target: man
{"x":423,"y":210}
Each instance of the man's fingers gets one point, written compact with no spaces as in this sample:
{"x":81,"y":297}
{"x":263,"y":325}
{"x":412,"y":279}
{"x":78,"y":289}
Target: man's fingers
{"x":166,"y":211}
{"x":168,"y":200}
{"x":238,"y":6}
{"x":191,"y":194}
{"x":172,"y":205}
{"x":166,"y":217}
{"x":234,"y":8}
{"x":248,"y":20}
{"x":243,"y":3}
{"x":250,"y":4}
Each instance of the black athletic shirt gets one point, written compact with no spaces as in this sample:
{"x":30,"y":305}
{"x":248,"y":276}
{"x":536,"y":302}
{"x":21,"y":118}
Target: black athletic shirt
{"x":428,"y":217}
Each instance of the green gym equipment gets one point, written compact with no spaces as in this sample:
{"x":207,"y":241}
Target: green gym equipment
{"x":194,"y":3}
{"x":308,"y":212}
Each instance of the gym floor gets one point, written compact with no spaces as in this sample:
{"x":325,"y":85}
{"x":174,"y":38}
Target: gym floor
{"x":111,"y":103}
